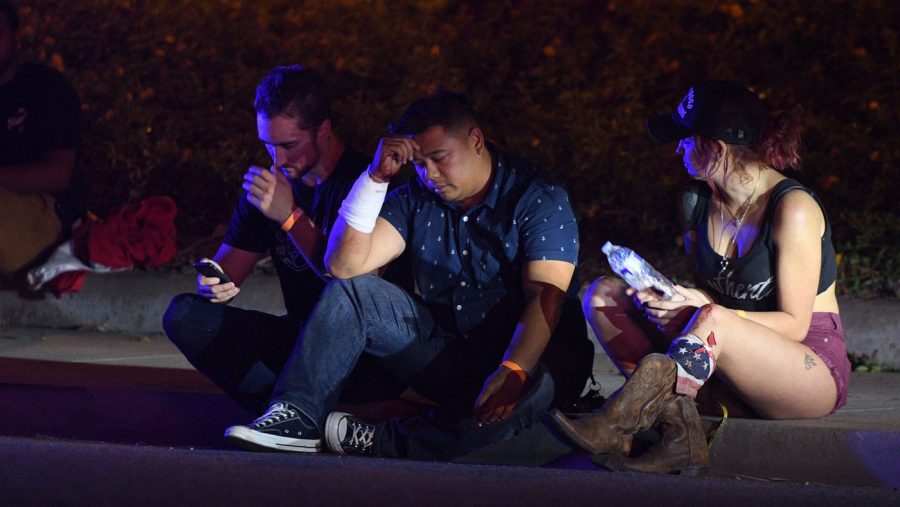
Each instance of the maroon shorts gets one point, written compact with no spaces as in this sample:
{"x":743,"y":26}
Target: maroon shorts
{"x":826,"y":339}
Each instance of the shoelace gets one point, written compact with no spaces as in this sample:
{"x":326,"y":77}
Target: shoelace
{"x":276,"y":413}
{"x":363,"y":435}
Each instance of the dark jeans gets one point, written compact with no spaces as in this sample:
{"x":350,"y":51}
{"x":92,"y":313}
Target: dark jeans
{"x":368,"y":314}
{"x":243,"y":351}
{"x":450,"y":430}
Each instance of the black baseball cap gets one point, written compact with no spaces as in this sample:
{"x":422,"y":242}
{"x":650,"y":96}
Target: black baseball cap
{"x":716,"y":109}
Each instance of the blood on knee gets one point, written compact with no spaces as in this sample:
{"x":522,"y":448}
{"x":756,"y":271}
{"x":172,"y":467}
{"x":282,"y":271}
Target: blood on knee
{"x":706,"y":315}
{"x":705,"y":322}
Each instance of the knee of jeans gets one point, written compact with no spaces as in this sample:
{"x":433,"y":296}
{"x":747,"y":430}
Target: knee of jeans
{"x":604,"y":291}
{"x":366,"y":282}
{"x":349,"y":288}
{"x":180,"y":319}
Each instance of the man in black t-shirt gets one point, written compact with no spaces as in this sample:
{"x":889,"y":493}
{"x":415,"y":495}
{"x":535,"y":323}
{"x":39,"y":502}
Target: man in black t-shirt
{"x":285,"y":211}
{"x":40,"y":189}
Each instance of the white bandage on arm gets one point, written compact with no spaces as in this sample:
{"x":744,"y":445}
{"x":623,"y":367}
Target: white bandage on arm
{"x":363,"y":204}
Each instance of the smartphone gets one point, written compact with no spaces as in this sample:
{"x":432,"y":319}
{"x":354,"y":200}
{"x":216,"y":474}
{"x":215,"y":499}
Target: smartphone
{"x":211,"y":269}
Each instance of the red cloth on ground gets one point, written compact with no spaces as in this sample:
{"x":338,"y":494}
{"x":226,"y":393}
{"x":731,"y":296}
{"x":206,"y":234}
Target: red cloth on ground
{"x":141,"y":236}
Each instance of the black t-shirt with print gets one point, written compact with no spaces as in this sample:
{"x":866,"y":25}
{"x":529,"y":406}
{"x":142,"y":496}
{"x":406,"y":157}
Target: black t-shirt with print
{"x":250,"y":230}
{"x":42,"y":113}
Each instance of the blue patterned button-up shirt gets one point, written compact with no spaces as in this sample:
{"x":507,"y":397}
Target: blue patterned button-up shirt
{"x":469,"y":262}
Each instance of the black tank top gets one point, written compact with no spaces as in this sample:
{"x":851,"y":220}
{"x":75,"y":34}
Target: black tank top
{"x":748,"y":282}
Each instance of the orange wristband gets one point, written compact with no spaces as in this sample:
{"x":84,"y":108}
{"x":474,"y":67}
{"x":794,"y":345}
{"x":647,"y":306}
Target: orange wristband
{"x":289,"y":222}
{"x":516,"y":368}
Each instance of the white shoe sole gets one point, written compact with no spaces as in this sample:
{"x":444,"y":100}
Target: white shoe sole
{"x":249,"y":439}
{"x":333,"y":431}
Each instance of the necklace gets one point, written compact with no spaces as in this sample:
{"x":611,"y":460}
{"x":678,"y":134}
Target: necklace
{"x":744,"y":209}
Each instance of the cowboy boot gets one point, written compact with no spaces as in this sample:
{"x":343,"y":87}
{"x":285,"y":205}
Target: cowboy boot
{"x":682,"y":448}
{"x":633,"y":408}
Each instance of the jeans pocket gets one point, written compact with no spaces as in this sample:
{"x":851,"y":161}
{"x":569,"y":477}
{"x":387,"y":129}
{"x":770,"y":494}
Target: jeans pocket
{"x":836,"y":324}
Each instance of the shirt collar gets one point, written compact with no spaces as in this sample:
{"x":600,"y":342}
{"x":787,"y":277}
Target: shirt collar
{"x":498,"y":163}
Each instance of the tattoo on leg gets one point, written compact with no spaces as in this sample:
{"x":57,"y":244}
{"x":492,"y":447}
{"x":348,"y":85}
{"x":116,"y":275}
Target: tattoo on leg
{"x":711,"y":339}
{"x":808,"y":361}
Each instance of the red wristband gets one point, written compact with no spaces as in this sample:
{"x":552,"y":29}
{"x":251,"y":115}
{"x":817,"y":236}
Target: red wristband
{"x":289,"y":222}
{"x":516,"y":368}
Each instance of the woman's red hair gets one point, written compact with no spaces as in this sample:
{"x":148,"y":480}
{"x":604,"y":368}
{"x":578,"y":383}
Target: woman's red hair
{"x":778,"y":146}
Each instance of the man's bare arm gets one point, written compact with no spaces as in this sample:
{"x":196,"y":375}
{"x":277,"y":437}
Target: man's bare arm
{"x":353,"y":253}
{"x":545,"y":284}
{"x":270,"y":191}
{"x":361,"y":241}
{"x":311,"y":243}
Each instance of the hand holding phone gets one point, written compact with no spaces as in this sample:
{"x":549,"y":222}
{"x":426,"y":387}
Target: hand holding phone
{"x":211,"y":269}
{"x":215,"y":293}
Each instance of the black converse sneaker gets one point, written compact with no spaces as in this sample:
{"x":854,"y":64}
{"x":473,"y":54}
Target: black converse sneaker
{"x":281,"y":428}
{"x":347,"y":434}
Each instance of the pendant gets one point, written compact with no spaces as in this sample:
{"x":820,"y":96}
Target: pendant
{"x":723,"y":263}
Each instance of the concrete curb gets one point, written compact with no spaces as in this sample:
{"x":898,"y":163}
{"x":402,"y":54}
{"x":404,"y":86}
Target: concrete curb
{"x":135,"y":301}
{"x":873,"y":328}
{"x":131,"y":302}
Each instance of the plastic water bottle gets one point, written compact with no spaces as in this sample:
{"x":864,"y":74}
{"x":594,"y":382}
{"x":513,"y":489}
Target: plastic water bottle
{"x":637,"y":272}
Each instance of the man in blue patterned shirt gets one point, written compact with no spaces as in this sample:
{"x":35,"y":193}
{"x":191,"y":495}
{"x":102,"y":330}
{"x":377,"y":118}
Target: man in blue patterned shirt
{"x":494,"y":246}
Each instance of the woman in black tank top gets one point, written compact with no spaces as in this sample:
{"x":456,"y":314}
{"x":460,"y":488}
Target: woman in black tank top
{"x":761,"y":332}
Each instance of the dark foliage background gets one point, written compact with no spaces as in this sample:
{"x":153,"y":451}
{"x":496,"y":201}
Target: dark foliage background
{"x":167,"y":88}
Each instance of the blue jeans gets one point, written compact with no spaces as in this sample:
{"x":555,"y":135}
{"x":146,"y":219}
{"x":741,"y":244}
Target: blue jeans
{"x":368,"y":314}
{"x":243,"y":351}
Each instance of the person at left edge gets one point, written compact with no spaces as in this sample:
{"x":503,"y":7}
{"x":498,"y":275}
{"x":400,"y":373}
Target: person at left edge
{"x":286,"y":211}
{"x":41,"y":189}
